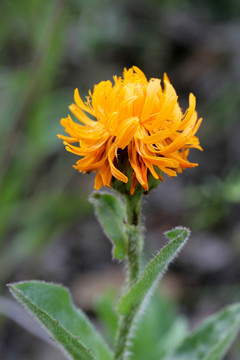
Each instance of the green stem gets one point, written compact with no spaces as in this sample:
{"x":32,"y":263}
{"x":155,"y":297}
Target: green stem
{"x":133,"y":206}
{"x":135,"y":242}
{"x":134,"y":252}
{"x":124,"y":327}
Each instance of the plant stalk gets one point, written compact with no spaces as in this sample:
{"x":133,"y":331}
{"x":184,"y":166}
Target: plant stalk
{"x":135,"y":245}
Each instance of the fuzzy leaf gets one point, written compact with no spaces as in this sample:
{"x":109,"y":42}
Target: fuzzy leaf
{"x":140,"y":291}
{"x":51,"y":304}
{"x":111,"y":213}
{"x":212,"y":339}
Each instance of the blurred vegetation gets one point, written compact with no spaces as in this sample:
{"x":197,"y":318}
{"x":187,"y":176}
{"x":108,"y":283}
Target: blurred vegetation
{"x":153,"y":338}
{"x":48,"y":48}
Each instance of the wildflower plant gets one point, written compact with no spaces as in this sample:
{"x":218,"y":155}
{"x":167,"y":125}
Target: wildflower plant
{"x":133,"y":134}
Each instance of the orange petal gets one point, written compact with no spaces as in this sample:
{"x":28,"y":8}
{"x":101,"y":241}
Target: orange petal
{"x":98,"y":181}
{"x":157,"y":137}
{"x":177,"y":143}
{"x":126,"y":131}
{"x":188,"y":114}
{"x":140,"y":73}
{"x":115,"y":172}
{"x":68,"y":139}
{"x":80,"y":103}
{"x":169,"y":172}
{"x":81,"y":116}
{"x":133,"y":184}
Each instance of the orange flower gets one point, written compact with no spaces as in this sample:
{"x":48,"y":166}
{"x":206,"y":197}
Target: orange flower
{"x":137,"y":115}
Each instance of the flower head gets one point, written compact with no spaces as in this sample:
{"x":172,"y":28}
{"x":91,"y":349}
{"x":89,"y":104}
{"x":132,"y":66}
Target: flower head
{"x":135,"y":115}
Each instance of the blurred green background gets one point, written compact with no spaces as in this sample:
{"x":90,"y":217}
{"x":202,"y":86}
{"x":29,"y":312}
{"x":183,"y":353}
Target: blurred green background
{"x":47,"y":227}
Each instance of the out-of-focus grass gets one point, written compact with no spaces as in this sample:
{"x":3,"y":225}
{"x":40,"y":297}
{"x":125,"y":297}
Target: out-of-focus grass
{"x":210,"y":203}
{"x":34,"y":205}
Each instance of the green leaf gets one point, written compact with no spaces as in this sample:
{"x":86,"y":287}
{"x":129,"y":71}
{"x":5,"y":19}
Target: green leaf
{"x":105,"y":310}
{"x":212,"y":339}
{"x":138,"y":294}
{"x":111,"y":213}
{"x":51,"y":304}
{"x":158,"y":331}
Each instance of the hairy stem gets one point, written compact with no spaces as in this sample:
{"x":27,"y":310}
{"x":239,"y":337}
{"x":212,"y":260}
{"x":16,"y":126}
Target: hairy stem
{"x":125,"y":324}
{"x":133,"y":205}
{"x":135,"y":242}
